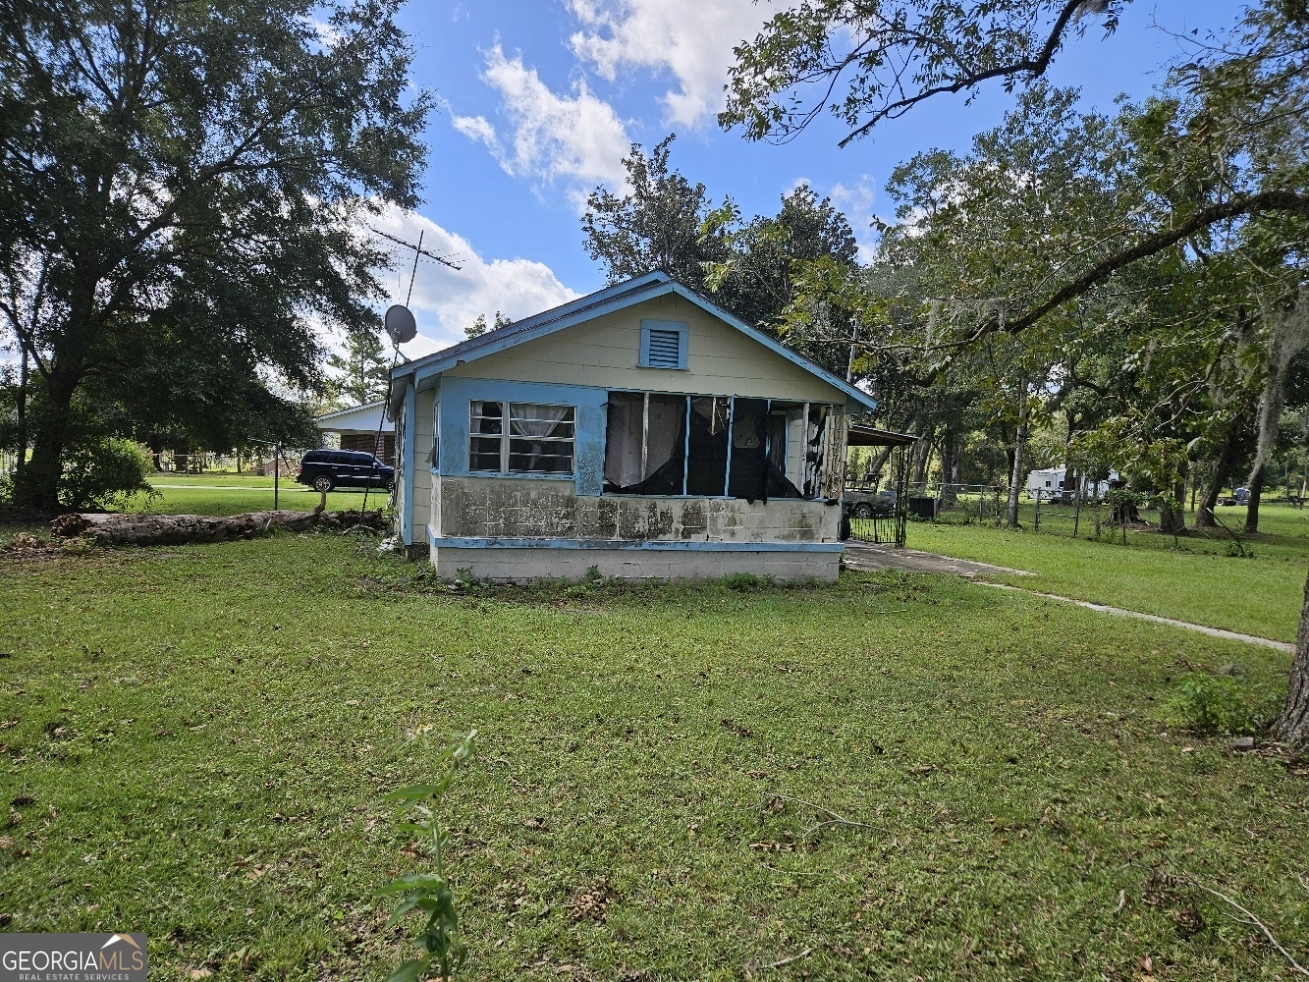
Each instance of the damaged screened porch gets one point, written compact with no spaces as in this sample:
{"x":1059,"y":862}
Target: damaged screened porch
{"x":638,"y":432}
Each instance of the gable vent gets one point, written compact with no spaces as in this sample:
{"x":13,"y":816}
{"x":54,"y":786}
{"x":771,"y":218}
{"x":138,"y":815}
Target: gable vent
{"x":665,"y":349}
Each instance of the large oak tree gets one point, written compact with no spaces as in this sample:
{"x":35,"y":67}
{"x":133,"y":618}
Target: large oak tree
{"x":188,"y":176}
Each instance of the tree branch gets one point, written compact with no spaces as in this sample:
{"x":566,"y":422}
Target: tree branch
{"x":1247,"y":204}
{"x":1033,"y":67}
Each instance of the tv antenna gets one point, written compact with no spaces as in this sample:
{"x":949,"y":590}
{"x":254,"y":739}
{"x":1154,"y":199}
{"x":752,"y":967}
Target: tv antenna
{"x":419,"y":252}
{"x":400,"y":325}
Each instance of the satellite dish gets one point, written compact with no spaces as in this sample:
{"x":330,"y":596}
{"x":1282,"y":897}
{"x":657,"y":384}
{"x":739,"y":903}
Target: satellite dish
{"x":400,"y":324}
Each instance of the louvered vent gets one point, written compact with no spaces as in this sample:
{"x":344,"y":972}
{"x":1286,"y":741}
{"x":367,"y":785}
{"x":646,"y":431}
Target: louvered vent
{"x":665,"y":349}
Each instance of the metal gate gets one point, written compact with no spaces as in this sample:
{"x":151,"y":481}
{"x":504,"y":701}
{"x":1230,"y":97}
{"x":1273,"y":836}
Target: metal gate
{"x":877,"y":509}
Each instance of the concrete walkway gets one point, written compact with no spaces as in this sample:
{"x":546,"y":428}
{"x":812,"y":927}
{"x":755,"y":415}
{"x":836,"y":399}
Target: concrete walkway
{"x":865,"y":556}
{"x":1213,"y":632}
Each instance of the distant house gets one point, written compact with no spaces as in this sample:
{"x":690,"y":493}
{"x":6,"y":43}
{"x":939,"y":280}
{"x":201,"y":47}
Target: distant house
{"x":640,"y":431}
{"x":363,"y":428}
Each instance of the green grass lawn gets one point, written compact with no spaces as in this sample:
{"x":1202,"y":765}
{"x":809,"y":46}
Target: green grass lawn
{"x":196,"y":741}
{"x":234,"y":494}
{"x":1195,"y":580}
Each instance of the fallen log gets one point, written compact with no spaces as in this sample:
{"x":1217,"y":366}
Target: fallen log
{"x":167,"y":530}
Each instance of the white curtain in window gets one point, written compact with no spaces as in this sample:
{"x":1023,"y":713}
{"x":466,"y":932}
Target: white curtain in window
{"x":540,"y":421}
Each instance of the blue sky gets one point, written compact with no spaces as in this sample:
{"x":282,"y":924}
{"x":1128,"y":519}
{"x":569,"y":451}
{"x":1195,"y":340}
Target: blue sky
{"x":541,"y":98}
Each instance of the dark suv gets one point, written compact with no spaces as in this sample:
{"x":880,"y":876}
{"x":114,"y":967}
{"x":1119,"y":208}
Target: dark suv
{"x":324,"y":470}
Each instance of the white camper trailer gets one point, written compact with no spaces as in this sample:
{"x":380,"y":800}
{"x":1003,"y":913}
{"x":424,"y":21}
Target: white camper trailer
{"x":1053,"y":484}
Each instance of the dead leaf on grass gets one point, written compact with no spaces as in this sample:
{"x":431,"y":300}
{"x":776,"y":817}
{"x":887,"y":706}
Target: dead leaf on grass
{"x":589,"y":904}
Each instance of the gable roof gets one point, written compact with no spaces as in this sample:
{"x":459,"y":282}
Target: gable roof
{"x":363,"y":416}
{"x":606,"y":301}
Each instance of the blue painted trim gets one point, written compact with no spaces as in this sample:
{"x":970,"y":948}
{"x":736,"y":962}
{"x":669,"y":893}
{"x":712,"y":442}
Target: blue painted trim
{"x":857,"y":395}
{"x":590,"y":421}
{"x":606,"y":301}
{"x":516,"y":476}
{"x":683,"y":330}
{"x":492,"y":339}
{"x":411,"y":420}
{"x":451,"y":356}
{"x":637,"y":545}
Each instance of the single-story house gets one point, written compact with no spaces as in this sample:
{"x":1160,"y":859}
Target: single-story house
{"x":641,"y":431}
{"x":365,"y":428}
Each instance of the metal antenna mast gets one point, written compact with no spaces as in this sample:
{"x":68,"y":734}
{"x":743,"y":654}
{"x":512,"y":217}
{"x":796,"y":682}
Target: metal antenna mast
{"x":418,"y":252}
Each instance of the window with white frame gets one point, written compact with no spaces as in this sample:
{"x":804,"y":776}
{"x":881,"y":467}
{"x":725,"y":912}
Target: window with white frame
{"x":521,"y":438}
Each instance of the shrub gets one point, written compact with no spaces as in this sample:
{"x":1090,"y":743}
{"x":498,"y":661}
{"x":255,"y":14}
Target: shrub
{"x":104,"y":471}
{"x":1207,"y":703}
{"x":743,"y":582}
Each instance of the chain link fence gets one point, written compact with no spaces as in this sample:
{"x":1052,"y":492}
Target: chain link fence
{"x":1045,"y":510}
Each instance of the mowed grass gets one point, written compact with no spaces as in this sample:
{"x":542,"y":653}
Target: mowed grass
{"x":197,"y":741}
{"x":235,"y":494}
{"x":1197,"y":579}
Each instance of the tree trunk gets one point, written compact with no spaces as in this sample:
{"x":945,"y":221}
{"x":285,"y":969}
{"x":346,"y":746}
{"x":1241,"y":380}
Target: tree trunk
{"x":1292,"y":727}
{"x":158,"y":530}
{"x":950,"y":467}
{"x":38,"y":485}
{"x":1252,"y":509}
{"x":1172,"y":514}
{"x":1016,"y":475}
{"x":921,"y":461}
{"x":21,"y":407}
{"x":1204,"y":516}
{"x":873,"y":474}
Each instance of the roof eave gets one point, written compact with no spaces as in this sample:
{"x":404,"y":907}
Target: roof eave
{"x":594,"y":305}
{"x":851,"y":392}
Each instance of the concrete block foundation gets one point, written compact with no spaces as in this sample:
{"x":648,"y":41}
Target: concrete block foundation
{"x":508,"y":564}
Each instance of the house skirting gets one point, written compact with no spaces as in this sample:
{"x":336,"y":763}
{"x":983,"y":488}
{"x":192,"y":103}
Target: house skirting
{"x":520,"y":560}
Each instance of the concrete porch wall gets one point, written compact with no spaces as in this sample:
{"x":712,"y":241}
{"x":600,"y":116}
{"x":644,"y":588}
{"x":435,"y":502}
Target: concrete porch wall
{"x":501,"y":507}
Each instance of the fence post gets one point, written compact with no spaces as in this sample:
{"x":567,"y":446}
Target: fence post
{"x":1077,"y":500}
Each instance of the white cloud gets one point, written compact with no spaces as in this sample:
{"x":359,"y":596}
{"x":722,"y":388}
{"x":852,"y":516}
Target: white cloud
{"x":477,"y":128}
{"x":692,"y":39}
{"x":856,"y":203}
{"x":445,"y":301}
{"x":576,"y":138}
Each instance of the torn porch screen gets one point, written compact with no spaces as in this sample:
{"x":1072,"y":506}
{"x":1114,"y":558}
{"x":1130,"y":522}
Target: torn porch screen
{"x":750,"y":450}
{"x":623,"y":439}
{"x":645,"y":444}
{"x":824,"y":452}
{"x":815,"y":429}
{"x":834,"y":447}
{"x":706,"y":470}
